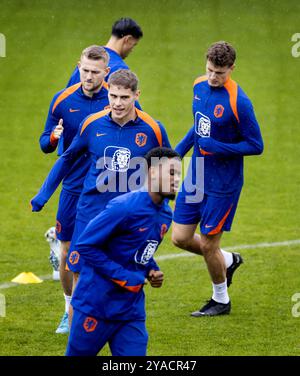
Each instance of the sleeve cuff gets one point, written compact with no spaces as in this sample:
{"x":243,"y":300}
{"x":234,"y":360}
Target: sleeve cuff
{"x":53,"y":140}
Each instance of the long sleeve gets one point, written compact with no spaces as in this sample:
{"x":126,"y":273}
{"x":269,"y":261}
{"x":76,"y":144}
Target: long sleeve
{"x":185,"y":145}
{"x":47,"y":142}
{"x":152,"y":265}
{"x":91,"y":247}
{"x":60,"y":169}
{"x":251,"y":140}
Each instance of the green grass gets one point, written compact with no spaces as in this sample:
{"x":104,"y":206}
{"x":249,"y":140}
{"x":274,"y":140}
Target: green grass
{"x":44,"y":40}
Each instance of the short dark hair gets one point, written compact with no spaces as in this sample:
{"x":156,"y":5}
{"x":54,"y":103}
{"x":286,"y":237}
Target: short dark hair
{"x":124,"y":78}
{"x":221,"y":54}
{"x":126,"y":26}
{"x":95,"y":53}
{"x":154,"y":155}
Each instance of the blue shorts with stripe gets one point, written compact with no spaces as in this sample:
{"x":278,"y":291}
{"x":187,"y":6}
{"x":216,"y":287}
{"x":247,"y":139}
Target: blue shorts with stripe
{"x":215,"y":214}
{"x":74,"y":261}
{"x":66,"y":214}
{"x":88,"y":335}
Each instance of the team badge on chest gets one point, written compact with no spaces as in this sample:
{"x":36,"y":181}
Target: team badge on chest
{"x":218,"y":111}
{"x":141,"y":139}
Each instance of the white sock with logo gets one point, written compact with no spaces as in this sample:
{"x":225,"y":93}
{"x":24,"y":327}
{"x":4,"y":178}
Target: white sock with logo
{"x":220,"y":293}
{"x":227,"y":257}
{"x":67,"y":302}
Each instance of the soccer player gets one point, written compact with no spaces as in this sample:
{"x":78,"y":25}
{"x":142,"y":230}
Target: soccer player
{"x":125,"y":35}
{"x":225,"y":130}
{"x":113,"y":138}
{"x":117,"y":247}
{"x":67,"y":109}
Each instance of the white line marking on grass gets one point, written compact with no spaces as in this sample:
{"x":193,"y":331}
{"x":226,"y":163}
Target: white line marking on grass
{"x":235,"y":248}
{"x":285,"y":243}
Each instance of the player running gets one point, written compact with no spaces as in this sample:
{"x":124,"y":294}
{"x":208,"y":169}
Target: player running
{"x":225,"y":130}
{"x":117,"y":247}
{"x":67,"y":110}
{"x":113,"y":139}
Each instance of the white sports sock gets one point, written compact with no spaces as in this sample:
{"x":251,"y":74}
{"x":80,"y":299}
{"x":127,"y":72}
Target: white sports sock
{"x":220,"y":293}
{"x":67,"y":302}
{"x":227,"y":257}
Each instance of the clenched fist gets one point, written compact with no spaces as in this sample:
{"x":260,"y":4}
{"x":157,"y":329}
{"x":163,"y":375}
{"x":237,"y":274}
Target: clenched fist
{"x":156,"y":278}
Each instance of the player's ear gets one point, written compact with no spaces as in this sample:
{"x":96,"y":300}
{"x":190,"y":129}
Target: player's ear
{"x":232,"y":67}
{"x":79,"y":64}
{"x":126,"y":39}
{"x":107,"y":70}
{"x":137,"y":94}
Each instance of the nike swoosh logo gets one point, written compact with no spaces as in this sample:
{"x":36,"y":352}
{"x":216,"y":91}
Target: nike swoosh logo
{"x":209,"y":226}
{"x":71,"y":110}
{"x":142,"y":229}
{"x":197,"y":98}
{"x":100,"y":134}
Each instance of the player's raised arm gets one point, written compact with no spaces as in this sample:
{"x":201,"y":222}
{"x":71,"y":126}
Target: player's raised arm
{"x":53,"y":129}
{"x":60,"y":169}
{"x":90,"y":247}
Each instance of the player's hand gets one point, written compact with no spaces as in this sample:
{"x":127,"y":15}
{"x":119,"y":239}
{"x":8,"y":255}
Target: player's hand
{"x":207,"y":144}
{"x":35,"y":205}
{"x":156,"y":278}
{"x":58,"y":130}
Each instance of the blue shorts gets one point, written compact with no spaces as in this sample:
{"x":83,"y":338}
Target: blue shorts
{"x":74,"y":262}
{"x":88,"y":335}
{"x":66,"y":214}
{"x":215,"y":214}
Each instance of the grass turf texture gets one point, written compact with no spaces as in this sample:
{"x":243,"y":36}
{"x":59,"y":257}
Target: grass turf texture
{"x":44,"y":40}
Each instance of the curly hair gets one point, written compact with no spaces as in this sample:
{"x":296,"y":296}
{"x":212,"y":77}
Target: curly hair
{"x":221,"y":54}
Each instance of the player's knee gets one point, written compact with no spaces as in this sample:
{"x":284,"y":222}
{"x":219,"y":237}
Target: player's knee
{"x":180,"y":240}
{"x":207,"y":246}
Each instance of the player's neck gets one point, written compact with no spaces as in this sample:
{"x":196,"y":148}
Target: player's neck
{"x":131,"y":116}
{"x":114,"y":44}
{"x":91,"y":93}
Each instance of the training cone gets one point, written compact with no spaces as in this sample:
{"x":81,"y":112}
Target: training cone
{"x":25,"y":278}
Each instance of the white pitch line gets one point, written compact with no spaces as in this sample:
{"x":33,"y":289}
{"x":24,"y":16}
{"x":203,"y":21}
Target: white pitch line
{"x":235,"y":248}
{"x":285,"y":243}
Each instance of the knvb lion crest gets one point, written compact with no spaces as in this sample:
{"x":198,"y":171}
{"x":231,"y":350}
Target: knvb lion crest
{"x":141,"y":139}
{"x":90,"y":324}
{"x":74,"y":258}
{"x":218,"y":111}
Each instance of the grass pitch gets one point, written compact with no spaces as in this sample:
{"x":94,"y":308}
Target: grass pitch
{"x":43,"y":42}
